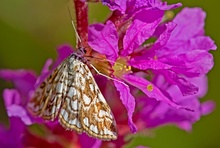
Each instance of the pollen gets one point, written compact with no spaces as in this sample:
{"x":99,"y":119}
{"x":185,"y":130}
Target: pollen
{"x":120,"y":67}
{"x":150,"y":87}
{"x":169,"y":15}
{"x":127,"y":68}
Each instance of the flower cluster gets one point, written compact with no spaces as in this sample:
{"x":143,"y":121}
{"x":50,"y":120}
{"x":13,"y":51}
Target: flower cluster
{"x":170,"y":70}
{"x":162,"y":64}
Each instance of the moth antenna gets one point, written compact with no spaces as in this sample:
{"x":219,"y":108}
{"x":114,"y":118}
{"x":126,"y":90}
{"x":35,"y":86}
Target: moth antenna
{"x":97,"y":71}
{"x":77,"y":35}
{"x":101,"y":59}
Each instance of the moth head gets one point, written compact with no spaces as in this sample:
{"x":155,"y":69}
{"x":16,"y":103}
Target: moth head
{"x":81,"y":51}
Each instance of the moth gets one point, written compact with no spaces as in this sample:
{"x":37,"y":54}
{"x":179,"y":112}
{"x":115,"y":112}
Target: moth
{"x":71,"y":95}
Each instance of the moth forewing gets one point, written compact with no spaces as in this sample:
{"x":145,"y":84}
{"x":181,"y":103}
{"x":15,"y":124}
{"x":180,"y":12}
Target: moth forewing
{"x":47,"y":98}
{"x":72,"y":93}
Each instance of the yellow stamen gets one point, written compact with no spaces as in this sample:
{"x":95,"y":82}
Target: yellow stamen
{"x":169,"y":15}
{"x":150,"y":87}
{"x":120,"y":67}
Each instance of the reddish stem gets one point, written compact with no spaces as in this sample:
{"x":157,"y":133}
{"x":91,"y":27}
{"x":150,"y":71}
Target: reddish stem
{"x":81,"y":9}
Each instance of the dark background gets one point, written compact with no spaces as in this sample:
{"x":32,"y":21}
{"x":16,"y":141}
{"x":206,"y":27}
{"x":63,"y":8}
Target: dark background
{"x":31,"y":30}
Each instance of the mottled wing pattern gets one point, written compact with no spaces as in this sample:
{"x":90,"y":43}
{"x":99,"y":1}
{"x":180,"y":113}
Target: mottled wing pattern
{"x":84,"y":107}
{"x":48,"y":98}
{"x":72,"y":94}
{"x":69,"y":112}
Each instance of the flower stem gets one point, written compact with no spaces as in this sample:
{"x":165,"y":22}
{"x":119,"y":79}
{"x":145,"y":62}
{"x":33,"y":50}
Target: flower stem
{"x":81,"y":9}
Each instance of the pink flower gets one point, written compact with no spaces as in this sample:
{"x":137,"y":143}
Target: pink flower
{"x":23,"y":128}
{"x":155,"y":83}
{"x":179,"y":54}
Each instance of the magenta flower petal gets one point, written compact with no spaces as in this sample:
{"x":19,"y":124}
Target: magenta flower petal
{"x":147,"y":60}
{"x":172,"y":64}
{"x":192,"y":63}
{"x":63,"y":52}
{"x":13,"y":105}
{"x":23,"y":80}
{"x":11,"y":138}
{"x":134,"y":5}
{"x":201,"y":42}
{"x":18,"y":119}
{"x":163,"y":32}
{"x":150,"y":90}
{"x":155,"y":4}
{"x":11,"y":96}
{"x":148,"y":64}
{"x":187,"y":126}
{"x":141,"y":29}
{"x":207,"y":107}
{"x":107,"y":36}
{"x":186,"y":87}
{"x":44,"y":73}
{"x":193,"y":16}
{"x":20,"y":112}
{"x":46,"y":67}
{"x":129,"y":103}
{"x":164,"y":6}
{"x":116,"y":5}
{"x":87,"y":141}
{"x":156,"y":113}
{"x":201,"y":82}
{"x":188,"y":37}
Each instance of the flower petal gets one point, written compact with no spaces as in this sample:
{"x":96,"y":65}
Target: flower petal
{"x":128,"y":101}
{"x":207,"y":107}
{"x":160,"y":113}
{"x":86,"y":141}
{"x":201,"y":42}
{"x":147,"y":60}
{"x":156,"y":113}
{"x":11,"y":138}
{"x":63,"y":52}
{"x":23,"y":80}
{"x":44,"y":73}
{"x":148,"y":64}
{"x":188,"y":37}
{"x":141,"y":29}
{"x":193,"y":16}
{"x":150,"y":90}
{"x":163,"y":32}
{"x":18,"y":111}
{"x":186,"y":87}
{"x":191,"y":64}
{"x":155,"y":4}
{"x":104,"y":39}
{"x":11,"y":96}
{"x":115,"y":5}
{"x":13,"y":105}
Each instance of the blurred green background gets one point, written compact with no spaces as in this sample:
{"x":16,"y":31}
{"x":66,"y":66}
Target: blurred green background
{"x":31,"y":30}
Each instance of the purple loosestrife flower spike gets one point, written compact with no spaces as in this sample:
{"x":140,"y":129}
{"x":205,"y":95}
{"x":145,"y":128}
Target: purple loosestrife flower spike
{"x":179,"y":53}
{"x":163,"y":62}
